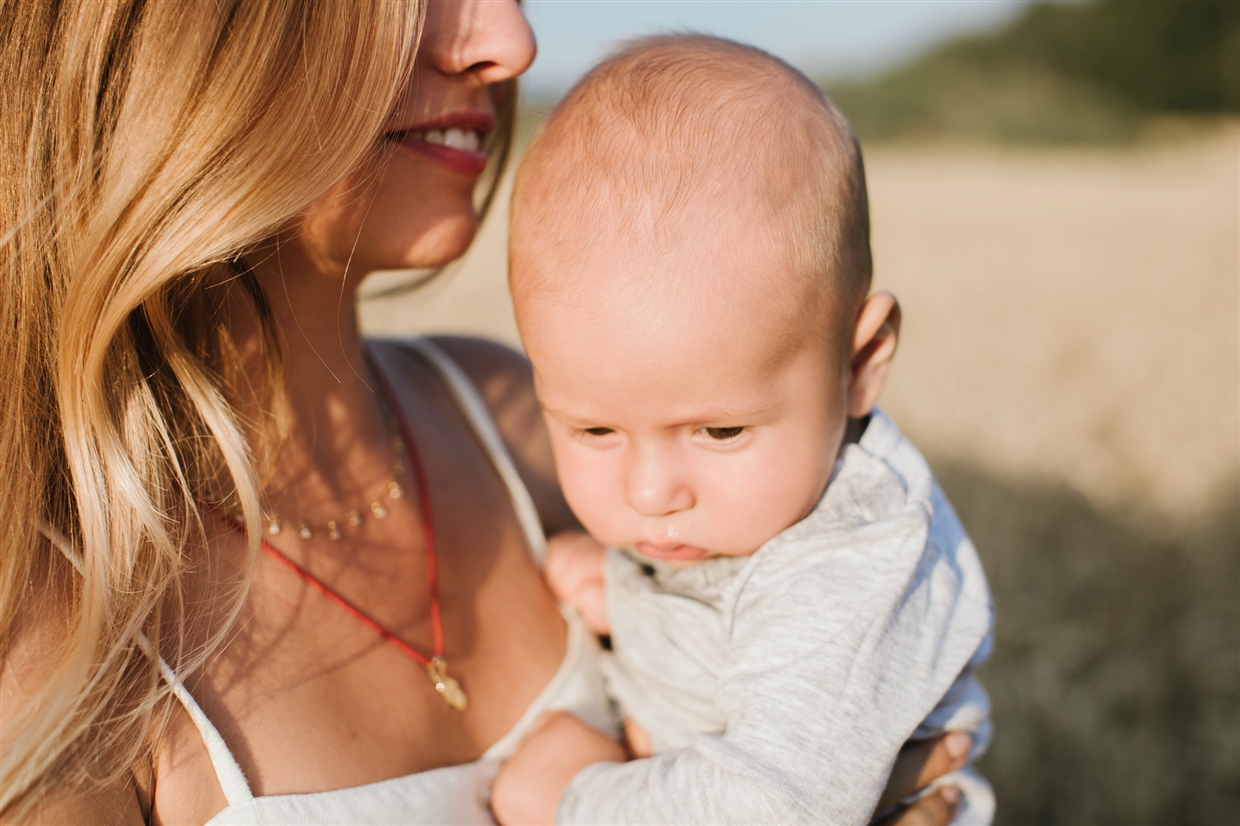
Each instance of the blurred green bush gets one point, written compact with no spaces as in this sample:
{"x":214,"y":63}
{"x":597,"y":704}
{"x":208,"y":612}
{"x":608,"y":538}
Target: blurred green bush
{"x":1079,"y":72}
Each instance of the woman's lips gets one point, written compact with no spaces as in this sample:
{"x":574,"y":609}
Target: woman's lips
{"x":456,"y":147}
{"x":678,"y":553}
{"x":454,"y":139}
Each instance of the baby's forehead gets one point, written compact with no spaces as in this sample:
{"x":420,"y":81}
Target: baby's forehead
{"x":687,"y":277}
{"x":713,"y":251}
{"x":653,"y":338}
{"x":707,"y":240}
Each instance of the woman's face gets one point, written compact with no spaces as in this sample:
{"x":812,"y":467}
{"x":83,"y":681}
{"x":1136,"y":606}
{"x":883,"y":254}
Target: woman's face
{"x":420,"y":213}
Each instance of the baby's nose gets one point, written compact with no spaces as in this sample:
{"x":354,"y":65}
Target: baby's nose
{"x":656,"y":488}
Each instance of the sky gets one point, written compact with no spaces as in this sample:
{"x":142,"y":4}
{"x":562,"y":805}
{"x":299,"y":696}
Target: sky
{"x":823,"y":38}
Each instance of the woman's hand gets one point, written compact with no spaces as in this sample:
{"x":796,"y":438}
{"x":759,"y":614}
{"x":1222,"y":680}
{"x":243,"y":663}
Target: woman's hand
{"x":918,"y":765}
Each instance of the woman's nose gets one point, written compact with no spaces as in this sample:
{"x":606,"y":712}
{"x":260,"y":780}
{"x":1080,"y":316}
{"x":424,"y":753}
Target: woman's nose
{"x":488,"y":39}
{"x":654,"y":487}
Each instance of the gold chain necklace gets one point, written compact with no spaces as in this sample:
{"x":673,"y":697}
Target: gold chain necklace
{"x":333,"y":528}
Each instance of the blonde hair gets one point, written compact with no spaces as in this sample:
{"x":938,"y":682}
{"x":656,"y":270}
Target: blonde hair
{"x":689,"y":122}
{"x":145,"y":146}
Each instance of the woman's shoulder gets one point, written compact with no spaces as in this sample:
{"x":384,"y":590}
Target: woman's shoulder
{"x":29,"y":669}
{"x":114,"y":804}
{"x":502,"y":374}
{"x":503,"y":378}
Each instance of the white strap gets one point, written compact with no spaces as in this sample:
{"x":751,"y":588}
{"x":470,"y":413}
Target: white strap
{"x":480,"y":419}
{"x":232,"y":779}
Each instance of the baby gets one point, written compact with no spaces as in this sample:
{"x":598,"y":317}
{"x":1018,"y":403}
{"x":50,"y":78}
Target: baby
{"x":789,"y":596}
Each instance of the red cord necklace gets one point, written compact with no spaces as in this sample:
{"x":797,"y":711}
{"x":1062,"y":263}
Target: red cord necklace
{"x":436,"y":667}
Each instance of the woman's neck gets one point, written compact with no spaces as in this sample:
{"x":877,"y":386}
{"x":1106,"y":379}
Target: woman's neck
{"x":337,"y":446}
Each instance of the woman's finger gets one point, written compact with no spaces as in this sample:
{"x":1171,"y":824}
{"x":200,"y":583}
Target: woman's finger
{"x":936,"y":809}
{"x":922,"y":762}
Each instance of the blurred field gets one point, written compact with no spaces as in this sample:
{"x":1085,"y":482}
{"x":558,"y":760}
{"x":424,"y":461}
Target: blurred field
{"x":1070,"y":362}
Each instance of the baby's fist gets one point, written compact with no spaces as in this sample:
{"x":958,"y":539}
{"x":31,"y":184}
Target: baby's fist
{"x":574,"y":570}
{"x":530,"y":784}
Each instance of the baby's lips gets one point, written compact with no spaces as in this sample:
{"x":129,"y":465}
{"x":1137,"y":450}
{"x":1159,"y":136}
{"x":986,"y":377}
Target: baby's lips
{"x":678,"y":553}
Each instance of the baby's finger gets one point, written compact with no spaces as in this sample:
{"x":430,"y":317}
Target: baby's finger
{"x":936,"y":809}
{"x":921,"y":763}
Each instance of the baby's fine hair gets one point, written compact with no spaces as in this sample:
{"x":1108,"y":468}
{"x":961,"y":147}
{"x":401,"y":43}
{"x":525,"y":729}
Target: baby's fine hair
{"x":693,"y":122}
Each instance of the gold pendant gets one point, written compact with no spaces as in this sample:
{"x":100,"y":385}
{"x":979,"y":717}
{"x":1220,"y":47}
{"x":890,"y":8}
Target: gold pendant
{"x":449,"y":689}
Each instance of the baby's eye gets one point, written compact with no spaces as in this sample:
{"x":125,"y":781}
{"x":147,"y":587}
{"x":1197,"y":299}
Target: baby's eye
{"x":599,"y":431}
{"x":723,"y":434}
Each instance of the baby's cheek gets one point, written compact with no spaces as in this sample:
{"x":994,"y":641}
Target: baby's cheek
{"x":767,"y":498}
{"x":595,"y":496}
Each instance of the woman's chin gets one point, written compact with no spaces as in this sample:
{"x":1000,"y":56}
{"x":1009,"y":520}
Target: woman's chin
{"x":442,"y":245}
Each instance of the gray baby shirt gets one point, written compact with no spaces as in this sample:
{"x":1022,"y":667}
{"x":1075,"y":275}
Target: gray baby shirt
{"x":779,"y":687}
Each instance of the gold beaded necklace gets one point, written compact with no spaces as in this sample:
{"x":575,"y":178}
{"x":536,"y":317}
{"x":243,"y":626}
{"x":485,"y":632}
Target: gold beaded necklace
{"x":333,"y":528}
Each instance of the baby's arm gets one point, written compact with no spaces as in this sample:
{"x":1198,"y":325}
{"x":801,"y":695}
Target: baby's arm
{"x":832,"y":664}
{"x":574,"y":570}
{"x":529,"y":786}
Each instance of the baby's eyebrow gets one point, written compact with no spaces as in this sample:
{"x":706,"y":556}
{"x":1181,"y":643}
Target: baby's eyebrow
{"x":706,"y":418}
{"x":734,"y":416}
{"x":568,"y":418}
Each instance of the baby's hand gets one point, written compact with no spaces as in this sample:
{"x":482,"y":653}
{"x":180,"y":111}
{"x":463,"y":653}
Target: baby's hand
{"x":574,"y":570}
{"x":637,"y":740}
{"x":529,"y":786}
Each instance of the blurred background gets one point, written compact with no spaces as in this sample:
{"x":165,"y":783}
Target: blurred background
{"x":1055,"y":195}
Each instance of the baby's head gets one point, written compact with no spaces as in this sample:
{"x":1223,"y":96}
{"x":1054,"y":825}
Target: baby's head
{"x":690,"y":262}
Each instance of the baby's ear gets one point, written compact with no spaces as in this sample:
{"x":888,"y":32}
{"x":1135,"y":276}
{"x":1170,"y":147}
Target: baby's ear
{"x":874,"y":346}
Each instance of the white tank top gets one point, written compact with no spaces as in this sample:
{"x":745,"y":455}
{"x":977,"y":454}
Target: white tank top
{"x":452,"y":794}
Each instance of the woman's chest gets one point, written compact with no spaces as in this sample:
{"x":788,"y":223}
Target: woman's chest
{"x":317,"y":703}
{"x":317,"y":693}
{"x":308,"y":698}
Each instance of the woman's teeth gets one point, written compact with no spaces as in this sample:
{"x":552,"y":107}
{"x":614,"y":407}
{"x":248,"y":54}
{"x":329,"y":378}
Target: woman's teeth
{"x":466,"y":140}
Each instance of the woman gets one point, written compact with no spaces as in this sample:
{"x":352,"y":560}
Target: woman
{"x":256,"y":569}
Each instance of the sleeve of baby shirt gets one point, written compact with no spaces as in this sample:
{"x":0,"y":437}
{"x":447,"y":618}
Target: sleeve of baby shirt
{"x":840,"y":644}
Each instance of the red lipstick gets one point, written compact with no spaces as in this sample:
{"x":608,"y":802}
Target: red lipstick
{"x":454,"y":140}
